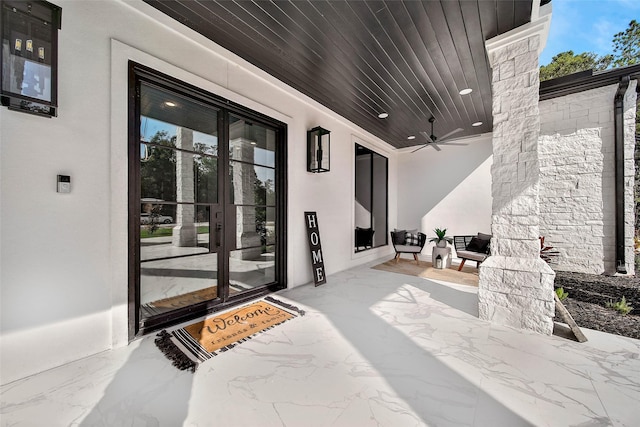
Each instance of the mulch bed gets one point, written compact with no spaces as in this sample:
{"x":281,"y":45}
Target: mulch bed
{"x":589,"y":295}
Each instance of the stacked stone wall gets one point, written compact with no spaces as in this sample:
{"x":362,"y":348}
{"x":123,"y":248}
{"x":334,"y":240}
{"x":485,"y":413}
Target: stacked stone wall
{"x":630,"y":107}
{"x":577,"y":179}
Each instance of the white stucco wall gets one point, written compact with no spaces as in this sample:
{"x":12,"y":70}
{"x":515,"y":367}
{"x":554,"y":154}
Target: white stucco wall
{"x":577,"y":191}
{"x":64,"y":256}
{"x":448,"y":189}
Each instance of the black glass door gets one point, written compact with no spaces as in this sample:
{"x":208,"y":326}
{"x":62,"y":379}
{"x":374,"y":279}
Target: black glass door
{"x":205,"y":205}
{"x":180,"y":215}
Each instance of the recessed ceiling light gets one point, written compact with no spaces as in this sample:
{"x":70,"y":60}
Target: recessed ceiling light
{"x":466,"y":91}
{"x":476,"y":124}
{"x":254,"y":143}
{"x":411,"y":137}
{"x":383,"y":115}
{"x":170,"y":104}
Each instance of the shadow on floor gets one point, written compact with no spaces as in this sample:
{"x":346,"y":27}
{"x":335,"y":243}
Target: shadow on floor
{"x":145,"y":391}
{"x":465,"y":298}
{"x":436,"y":393}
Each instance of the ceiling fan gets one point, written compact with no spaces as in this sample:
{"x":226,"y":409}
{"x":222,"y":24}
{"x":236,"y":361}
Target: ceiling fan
{"x":433,"y":140}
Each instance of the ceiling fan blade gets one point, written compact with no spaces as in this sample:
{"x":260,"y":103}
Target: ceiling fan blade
{"x":456,"y":143}
{"x":446,"y":135}
{"x":426,"y":135}
{"x":419,"y":148}
{"x":436,"y":147}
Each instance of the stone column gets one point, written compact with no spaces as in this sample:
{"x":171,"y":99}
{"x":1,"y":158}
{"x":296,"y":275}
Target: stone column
{"x":516,"y":285}
{"x":184,"y":233}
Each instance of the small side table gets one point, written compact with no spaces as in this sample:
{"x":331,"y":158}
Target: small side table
{"x":445,"y":254}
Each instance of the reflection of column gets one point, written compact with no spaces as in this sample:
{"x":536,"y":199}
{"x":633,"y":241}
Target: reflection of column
{"x":184,"y":233}
{"x":516,"y":285}
{"x":244,"y":194}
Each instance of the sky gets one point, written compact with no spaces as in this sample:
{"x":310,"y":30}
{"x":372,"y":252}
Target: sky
{"x":587,"y":25}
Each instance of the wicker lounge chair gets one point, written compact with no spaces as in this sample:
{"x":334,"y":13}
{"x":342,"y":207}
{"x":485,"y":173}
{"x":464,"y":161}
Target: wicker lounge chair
{"x":475,"y":248}
{"x":408,"y":242}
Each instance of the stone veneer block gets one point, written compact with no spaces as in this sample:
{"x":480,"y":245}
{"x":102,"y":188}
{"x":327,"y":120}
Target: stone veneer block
{"x":184,"y":236}
{"x":517,"y":292}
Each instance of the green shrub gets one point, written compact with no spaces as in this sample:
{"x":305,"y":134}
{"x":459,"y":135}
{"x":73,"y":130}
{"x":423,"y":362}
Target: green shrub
{"x":562,"y":295}
{"x":621,"y":306}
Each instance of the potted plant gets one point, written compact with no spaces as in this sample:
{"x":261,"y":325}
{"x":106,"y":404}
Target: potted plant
{"x":441,"y":238}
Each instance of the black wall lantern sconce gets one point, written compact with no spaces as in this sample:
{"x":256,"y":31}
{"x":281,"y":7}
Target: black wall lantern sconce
{"x":318,"y":147}
{"x":29,"y":56}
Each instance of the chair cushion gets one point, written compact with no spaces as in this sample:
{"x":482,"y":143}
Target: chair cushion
{"x":478,"y":245}
{"x":483,"y":236}
{"x":399,"y":237}
{"x":474,"y":256}
{"x":412,"y":239}
{"x":408,"y":248}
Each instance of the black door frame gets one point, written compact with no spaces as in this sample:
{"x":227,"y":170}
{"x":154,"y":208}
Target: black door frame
{"x":139,"y":73}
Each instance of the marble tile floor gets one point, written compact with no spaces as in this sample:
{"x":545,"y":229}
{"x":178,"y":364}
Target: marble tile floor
{"x":374,"y":349}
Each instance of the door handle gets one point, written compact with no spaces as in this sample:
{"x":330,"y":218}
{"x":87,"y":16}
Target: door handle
{"x":215,"y":229}
{"x":218,"y":233}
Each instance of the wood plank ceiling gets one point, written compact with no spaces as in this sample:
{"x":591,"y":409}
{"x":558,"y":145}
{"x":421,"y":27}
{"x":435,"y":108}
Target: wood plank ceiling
{"x":409,"y":59}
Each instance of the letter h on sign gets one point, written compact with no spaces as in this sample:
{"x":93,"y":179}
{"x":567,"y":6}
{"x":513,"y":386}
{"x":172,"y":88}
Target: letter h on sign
{"x":313,"y":233}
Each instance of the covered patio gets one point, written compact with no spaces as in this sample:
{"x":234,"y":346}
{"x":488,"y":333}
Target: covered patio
{"x":374,"y":348}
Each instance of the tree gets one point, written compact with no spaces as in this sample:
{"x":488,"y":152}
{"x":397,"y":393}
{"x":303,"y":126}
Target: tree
{"x":264,"y":192}
{"x":566,"y":63}
{"x":158,"y":177}
{"x":206,"y":173}
{"x":626,"y":46}
{"x":626,"y":51}
{"x":158,"y":171}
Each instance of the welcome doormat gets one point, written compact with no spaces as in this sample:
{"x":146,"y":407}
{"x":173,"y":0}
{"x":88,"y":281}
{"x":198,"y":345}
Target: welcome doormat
{"x":468,"y":276}
{"x":191,"y":345}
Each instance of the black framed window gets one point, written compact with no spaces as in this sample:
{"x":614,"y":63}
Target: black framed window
{"x":371,"y":199}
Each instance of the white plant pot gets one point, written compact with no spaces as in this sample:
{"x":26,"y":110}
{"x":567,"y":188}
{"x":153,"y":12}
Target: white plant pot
{"x":441,"y":244}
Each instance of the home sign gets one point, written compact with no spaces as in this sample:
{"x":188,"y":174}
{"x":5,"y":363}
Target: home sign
{"x":313,"y":233}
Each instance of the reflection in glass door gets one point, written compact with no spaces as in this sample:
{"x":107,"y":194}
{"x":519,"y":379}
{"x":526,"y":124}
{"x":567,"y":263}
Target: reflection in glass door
{"x":205,"y":205}
{"x":179,"y":211}
{"x":253,"y":204}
